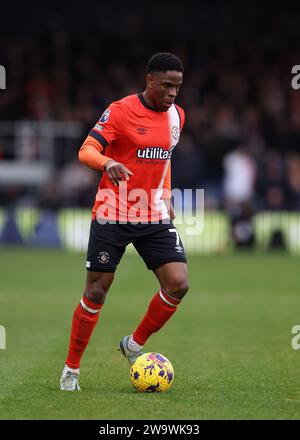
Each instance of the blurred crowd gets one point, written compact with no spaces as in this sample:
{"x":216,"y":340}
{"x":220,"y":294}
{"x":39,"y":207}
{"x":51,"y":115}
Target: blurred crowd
{"x":241,"y":141}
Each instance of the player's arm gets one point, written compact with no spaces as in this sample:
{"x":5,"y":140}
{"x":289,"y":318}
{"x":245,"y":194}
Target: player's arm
{"x":90,"y":155}
{"x":105,"y":131}
{"x":166,"y":196}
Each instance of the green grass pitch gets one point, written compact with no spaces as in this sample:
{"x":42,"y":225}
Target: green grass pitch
{"x":229,"y":342}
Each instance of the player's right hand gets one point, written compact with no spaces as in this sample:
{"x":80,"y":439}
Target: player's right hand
{"x":116,"y":171}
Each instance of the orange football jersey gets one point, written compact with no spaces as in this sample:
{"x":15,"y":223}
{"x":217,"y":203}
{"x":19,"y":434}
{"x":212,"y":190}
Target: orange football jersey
{"x":132,"y":133}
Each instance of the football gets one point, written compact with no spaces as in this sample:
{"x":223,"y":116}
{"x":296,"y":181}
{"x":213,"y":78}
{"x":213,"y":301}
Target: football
{"x":152,"y":373}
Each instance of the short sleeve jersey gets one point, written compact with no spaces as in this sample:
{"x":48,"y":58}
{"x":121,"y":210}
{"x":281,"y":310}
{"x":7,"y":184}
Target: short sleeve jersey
{"x":142,"y":139}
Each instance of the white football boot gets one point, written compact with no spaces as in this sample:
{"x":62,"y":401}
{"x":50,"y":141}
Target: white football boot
{"x":129,"y":354}
{"x":69,"y":379}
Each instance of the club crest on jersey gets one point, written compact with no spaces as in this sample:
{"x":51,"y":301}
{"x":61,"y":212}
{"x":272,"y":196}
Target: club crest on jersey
{"x":154,"y":153}
{"x":105,"y":117}
{"x":175,"y":132}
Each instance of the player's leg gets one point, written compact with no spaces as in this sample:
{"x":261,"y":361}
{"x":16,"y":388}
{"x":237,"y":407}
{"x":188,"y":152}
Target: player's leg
{"x":173,"y":279}
{"x":87,"y":314}
{"x":84,"y":320}
{"x":102,"y":260}
{"x":163,"y":253}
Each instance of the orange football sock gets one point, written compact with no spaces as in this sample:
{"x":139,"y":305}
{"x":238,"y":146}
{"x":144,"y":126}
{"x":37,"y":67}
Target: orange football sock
{"x":160,"y":310}
{"x":84,"y":320}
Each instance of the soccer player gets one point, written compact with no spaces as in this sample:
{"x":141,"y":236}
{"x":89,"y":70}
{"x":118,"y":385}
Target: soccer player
{"x":133,"y":205}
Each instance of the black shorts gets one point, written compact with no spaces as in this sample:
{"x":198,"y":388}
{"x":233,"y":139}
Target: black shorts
{"x":157,"y":244}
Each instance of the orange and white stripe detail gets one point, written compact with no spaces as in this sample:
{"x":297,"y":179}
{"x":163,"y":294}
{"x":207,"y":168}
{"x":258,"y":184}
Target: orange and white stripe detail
{"x":168,"y":298}
{"x":87,"y":308}
{"x":174,"y":122}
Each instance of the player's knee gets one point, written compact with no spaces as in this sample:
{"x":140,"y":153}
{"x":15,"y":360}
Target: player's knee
{"x":178,"y":287}
{"x":97,"y":286}
{"x":182,"y":288}
{"x":96,"y":293}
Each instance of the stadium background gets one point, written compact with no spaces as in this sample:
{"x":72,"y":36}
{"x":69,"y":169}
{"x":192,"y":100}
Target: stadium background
{"x":241,"y":143}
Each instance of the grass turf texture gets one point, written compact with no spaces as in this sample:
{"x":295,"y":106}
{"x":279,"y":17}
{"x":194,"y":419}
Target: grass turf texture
{"x":229,"y":343}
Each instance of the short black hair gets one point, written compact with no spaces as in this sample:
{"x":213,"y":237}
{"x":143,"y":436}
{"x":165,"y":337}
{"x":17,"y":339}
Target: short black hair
{"x":163,"y":61}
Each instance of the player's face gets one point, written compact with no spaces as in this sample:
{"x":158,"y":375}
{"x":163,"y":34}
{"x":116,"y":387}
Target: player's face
{"x":163,"y":88}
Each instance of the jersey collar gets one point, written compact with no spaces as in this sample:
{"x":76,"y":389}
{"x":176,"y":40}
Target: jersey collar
{"x":142,"y":99}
